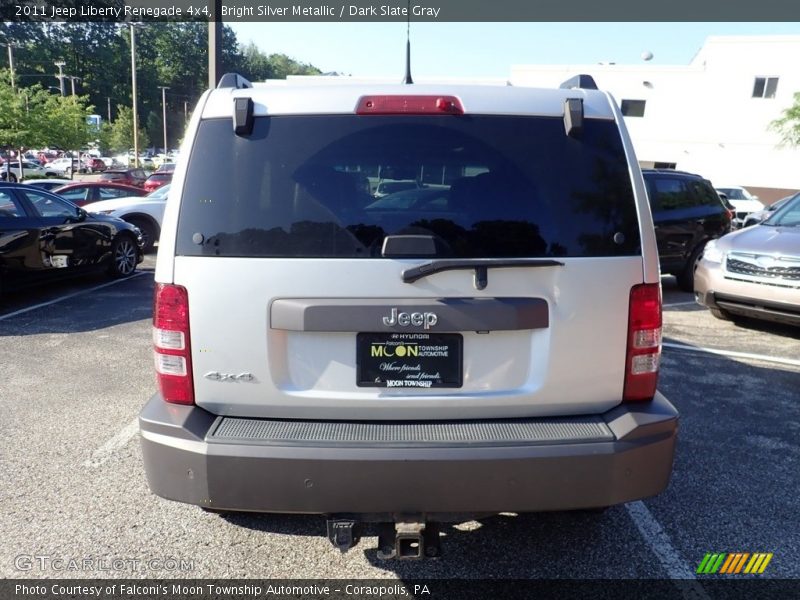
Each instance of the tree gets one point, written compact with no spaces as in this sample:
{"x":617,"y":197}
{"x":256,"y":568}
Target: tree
{"x":20,"y":116}
{"x":63,"y":121}
{"x":788,"y":126}
{"x":120,"y":137}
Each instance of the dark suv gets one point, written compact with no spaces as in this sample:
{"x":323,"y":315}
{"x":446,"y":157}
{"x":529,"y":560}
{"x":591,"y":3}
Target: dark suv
{"x":687,"y":212}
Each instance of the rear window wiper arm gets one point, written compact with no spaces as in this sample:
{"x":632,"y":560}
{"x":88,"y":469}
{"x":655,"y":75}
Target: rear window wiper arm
{"x":481,"y":266}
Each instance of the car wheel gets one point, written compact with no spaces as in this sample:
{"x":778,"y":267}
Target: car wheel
{"x":12,"y":178}
{"x":720,"y":314}
{"x":149,"y":234}
{"x":686,"y":277}
{"x":123,"y":257}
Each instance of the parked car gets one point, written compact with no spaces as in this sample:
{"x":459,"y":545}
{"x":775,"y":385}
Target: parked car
{"x":758,"y":216}
{"x":94,"y":165}
{"x":166,"y":167}
{"x":755,"y":272}
{"x":85,"y":192}
{"x":48,"y":184}
{"x":744,"y":203}
{"x":44,"y":236}
{"x":687,"y":213}
{"x":63,"y":166}
{"x":135,"y":177}
{"x":10,"y":171}
{"x":156,"y":180}
{"x":499,"y":355}
{"x":146,"y":212}
{"x":392,"y":186}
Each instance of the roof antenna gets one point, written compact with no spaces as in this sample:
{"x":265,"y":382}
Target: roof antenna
{"x":408,"y":79}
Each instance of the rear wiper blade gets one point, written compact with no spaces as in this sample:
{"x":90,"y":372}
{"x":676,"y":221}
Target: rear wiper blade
{"x":481,"y":266}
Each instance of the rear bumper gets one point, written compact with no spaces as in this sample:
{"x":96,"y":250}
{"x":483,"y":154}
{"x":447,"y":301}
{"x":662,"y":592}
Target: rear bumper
{"x":186,"y":461}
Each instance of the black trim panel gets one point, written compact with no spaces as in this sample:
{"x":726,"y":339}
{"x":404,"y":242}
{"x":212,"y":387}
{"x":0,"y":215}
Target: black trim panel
{"x":451,"y":314}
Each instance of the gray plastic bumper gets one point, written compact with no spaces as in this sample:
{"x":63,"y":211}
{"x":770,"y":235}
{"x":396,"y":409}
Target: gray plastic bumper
{"x":521,"y":465}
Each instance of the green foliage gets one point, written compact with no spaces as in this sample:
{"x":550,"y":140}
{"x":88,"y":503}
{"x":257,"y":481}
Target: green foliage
{"x":99,"y":53}
{"x":788,"y":126}
{"x":31,"y":117}
{"x":63,"y":121}
{"x":257,"y":66}
{"x":120,"y":132}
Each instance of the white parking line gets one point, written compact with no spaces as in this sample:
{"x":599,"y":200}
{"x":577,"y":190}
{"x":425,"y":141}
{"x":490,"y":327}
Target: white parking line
{"x":119,"y":441}
{"x":68,"y":296}
{"x":746,"y":355}
{"x":687,"y":303}
{"x":659,"y":542}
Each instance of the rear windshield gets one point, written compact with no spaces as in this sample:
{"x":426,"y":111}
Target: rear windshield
{"x":336,"y":186}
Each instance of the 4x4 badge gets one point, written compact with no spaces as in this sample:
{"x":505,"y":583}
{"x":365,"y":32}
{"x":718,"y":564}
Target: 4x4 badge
{"x":425,"y":320}
{"x":217,"y":376}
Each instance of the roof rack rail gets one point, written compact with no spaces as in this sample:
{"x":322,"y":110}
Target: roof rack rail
{"x":233,"y":80}
{"x":582,"y":81}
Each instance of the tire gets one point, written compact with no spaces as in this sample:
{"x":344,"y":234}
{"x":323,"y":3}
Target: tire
{"x":722,"y":315}
{"x":686,"y":277}
{"x":11,"y":177}
{"x":123,"y":257}
{"x":149,"y":233}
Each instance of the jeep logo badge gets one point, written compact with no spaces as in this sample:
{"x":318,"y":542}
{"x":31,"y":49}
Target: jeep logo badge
{"x":425,"y":320}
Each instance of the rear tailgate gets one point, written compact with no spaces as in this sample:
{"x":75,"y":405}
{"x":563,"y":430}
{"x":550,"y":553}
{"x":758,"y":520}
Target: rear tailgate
{"x":296,"y":296}
{"x":571,"y":364}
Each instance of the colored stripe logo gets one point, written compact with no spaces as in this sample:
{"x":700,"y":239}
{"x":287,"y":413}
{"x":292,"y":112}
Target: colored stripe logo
{"x":729,"y":563}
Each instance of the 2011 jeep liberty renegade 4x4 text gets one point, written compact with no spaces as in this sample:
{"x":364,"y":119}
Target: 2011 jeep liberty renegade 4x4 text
{"x":487,"y":340}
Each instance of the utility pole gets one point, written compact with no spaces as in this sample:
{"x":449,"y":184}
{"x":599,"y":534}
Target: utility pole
{"x":133,"y":91}
{"x":108,"y":100}
{"x":60,"y":64}
{"x":185,"y":111}
{"x":72,"y":79}
{"x":215,"y":44}
{"x":164,"y":113}
{"x":11,"y":66}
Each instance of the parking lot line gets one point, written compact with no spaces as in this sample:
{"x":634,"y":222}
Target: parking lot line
{"x":658,"y":541}
{"x":686,"y":303}
{"x":68,"y":296}
{"x":106,"y":451}
{"x":732,"y":354}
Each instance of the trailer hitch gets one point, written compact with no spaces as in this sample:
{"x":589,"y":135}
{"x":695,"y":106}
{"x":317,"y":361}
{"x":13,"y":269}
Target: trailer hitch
{"x":408,"y":540}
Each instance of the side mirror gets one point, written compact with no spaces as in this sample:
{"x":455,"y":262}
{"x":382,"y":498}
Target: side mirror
{"x":81,"y":214}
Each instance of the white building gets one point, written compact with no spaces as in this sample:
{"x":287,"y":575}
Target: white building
{"x":711,"y":117}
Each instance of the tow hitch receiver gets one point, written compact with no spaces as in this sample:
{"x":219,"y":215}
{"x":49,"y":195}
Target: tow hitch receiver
{"x":343,"y":533}
{"x":408,"y":540}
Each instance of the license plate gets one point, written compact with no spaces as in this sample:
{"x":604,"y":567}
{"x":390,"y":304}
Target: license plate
{"x":409,"y":360}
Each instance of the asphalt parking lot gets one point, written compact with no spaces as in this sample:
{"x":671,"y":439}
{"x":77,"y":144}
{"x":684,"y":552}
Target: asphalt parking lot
{"x":76,"y":367}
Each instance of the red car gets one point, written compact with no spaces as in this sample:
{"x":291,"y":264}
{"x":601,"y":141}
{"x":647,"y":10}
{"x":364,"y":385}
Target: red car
{"x":135,"y":177}
{"x":156,"y":180}
{"x":94,"y":165}
{"x":93,"y":191}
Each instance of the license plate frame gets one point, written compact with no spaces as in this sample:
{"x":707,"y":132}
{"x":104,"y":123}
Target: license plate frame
{"x":427,"y":360}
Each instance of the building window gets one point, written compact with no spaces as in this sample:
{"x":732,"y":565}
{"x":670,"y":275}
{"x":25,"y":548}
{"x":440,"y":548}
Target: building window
{"x":633,"y":108}
{"x":765,"y":87}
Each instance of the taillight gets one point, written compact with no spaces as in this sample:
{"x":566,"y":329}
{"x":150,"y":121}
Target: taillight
{"x":171,"y":342}
{"x":644,"y":342}
{"x":409,"y":105}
